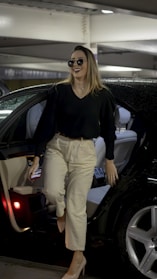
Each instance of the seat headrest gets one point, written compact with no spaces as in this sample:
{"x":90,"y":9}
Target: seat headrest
{"x":122,"y":116}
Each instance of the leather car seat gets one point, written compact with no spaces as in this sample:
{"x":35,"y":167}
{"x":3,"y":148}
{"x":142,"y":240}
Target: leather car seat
{"x":124,"y":143}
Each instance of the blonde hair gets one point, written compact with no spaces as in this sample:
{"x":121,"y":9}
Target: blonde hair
{"x":93,"y":76}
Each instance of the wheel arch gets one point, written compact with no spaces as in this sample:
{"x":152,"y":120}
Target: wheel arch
{"x":114,"y":210}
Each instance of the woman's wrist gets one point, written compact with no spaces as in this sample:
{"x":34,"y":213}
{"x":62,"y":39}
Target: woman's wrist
{"x":109,"y":161}
{"x":36,"y":159}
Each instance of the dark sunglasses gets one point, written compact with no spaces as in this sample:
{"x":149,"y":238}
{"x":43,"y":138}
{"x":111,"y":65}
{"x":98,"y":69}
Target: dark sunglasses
{"x":78,"y":61}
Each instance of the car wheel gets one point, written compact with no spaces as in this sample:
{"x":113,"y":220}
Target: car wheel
{"x":136,"y":239}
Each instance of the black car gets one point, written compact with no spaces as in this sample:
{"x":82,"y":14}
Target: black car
{"x":126,"y":214}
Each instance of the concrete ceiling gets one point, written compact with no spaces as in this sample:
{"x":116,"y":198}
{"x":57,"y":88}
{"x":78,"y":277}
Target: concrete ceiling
{"x":37,"y":37}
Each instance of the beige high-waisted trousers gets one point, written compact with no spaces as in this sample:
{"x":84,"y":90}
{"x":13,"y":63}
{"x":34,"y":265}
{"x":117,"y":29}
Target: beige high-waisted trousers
{"x":68,"y":173}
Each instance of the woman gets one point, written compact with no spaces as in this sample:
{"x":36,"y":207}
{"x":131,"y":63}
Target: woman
{"x":78,"y":109}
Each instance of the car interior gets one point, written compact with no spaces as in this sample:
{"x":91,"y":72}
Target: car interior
{"x":14,"y":170}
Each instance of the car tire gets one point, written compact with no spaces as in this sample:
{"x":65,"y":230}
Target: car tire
{"x":136,"y":239}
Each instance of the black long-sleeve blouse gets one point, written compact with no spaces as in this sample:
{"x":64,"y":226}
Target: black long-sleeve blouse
{"x":89,"y":117}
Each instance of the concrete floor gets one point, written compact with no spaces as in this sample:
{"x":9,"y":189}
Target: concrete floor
{"x":19,"y":269}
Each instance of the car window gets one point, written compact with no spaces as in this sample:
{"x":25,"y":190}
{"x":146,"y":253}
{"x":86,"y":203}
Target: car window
{"x":8,"y":105}
{"x":33,"y":117}
{"x":25,"y":124}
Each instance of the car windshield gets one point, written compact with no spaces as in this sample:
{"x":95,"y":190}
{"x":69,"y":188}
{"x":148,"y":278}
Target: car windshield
{"x":8,"y":105}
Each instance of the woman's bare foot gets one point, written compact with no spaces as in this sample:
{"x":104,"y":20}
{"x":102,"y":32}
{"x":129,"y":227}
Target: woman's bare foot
{"x":77,"y":266}
{"x":76,"y":261}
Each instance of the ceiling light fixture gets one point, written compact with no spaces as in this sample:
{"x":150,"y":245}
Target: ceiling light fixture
{"x":4,"y":21}
{"x":107,"y":11}
{"x":119,"y":69}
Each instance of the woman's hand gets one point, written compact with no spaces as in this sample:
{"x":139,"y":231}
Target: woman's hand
{"x":111,"y":172}
{"x":33,"y":168}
